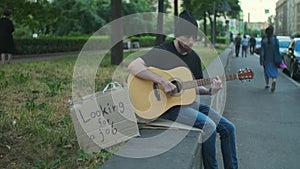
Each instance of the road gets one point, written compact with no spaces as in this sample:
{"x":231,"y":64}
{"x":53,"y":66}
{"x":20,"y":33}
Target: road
{"x":268,"y":124}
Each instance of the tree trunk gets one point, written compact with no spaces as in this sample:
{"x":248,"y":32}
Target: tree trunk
{"x":116,"y":33}
{"x":187,"y":4}
{"x":214,"y":24}
{"x":205,"y":28}
{"x":176,"y":7}
{"x":175,"y":13}
{"x":211,"y":27}
{"x":159,"y":35}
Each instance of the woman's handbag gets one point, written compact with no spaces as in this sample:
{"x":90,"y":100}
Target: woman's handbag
{"x":282,"y":65}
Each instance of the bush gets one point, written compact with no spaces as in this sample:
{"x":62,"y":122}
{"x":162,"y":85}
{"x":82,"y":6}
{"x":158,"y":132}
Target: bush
{"x":145,"y":41}
{"x":68,"y":44}
{"x":221,"y":39}
{"x":54,"y":44}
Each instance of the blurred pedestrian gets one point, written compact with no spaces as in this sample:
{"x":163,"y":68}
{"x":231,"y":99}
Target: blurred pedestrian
{"x":237,"y":42}
{"x":269,"y":48}
{"x":231,"y":37}
{"x":252,"y":43}
{"x":245,"y":44}
{"x":6,"y":37}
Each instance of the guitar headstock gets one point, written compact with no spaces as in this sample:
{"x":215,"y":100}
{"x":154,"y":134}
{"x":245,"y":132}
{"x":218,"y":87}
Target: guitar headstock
{"x":245,"y":74}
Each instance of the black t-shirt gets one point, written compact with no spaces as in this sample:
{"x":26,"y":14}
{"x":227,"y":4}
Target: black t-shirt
{"x":6,"y":27}
{"x":6,"y":38}
{"x":252,"y":41}
{"x":166,"y":57}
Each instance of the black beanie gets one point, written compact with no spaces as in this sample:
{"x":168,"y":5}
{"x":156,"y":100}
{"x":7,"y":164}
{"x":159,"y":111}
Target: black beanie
{"x":6,"y":12}
{"x":186,"y":24}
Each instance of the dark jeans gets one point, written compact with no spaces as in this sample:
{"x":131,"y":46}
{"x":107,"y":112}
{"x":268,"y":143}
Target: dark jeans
{"x":237,"y":50}
{"x":207,"y":119}
{"x":252,"y":49}
{"x":244,"y":51}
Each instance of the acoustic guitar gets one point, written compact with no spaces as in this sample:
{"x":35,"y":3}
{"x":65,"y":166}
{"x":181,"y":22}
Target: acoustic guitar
{"x":149,"y":100}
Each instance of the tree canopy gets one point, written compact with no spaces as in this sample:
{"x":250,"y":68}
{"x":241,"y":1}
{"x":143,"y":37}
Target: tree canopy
{"x":84,"y":17}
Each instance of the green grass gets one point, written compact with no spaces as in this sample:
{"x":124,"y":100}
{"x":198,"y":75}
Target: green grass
{"x":35,"y":123}
{"x":35,"y":96}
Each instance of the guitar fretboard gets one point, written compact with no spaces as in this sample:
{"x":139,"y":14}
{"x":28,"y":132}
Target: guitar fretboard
{"x":203,"y":82}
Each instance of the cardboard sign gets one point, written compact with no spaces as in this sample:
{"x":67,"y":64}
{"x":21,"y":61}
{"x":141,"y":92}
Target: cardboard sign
{"x":102,"y":120}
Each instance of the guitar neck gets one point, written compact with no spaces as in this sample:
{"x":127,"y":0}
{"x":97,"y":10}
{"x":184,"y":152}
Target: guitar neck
{"x":203,"y":82}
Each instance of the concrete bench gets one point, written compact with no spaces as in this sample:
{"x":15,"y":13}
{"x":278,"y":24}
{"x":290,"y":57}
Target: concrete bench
{"x":126,"y":44}
{"x":186,"y":154}
{"x":135,"y":44}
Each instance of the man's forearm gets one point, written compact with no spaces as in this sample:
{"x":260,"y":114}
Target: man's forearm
{"x":138,"y":68}
{"x":149,"y":75}
{"x":201,"y":90}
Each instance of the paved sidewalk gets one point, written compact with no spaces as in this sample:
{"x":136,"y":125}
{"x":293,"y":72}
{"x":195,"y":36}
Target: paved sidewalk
{"x":268,"y":124}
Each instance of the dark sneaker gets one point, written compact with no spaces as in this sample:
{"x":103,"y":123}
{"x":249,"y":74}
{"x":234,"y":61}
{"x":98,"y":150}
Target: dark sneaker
{"x":267,"y":87}
{"x":273,"y":86}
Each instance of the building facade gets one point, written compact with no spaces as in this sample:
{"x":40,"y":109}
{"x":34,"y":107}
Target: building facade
{"x":281,"y":18}
{"x":287,"y":20}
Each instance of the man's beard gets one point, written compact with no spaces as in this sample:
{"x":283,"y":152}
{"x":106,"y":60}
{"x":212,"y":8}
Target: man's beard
{"x":184,"y":48}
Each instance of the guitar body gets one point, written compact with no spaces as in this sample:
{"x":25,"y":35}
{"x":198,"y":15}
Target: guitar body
{"x":144,"y":99}
{"x":149,"y":100}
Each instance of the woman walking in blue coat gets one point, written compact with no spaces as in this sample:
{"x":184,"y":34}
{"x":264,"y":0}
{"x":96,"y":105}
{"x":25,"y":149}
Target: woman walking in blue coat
{"x":269,"y":47}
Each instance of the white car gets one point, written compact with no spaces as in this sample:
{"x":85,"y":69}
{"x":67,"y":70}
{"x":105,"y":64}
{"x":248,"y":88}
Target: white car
{"x":257,"y":46}
{"x":284,"y":42}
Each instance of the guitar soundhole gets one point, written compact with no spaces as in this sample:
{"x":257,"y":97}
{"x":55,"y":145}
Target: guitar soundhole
{"x":178,"y":85}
